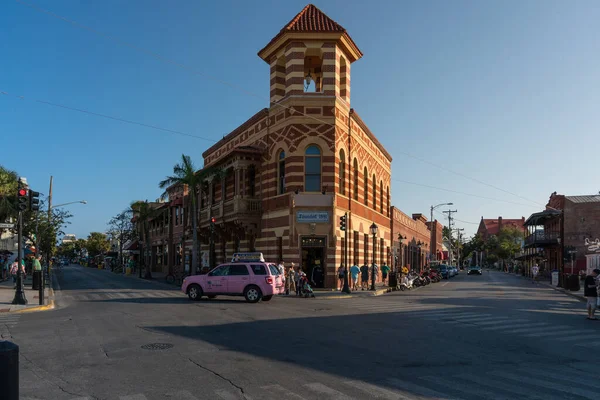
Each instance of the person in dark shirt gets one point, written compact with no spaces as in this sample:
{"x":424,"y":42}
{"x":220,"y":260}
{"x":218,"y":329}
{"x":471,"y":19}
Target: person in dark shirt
{"x":364,"y":277}
{"x":589,"y":291}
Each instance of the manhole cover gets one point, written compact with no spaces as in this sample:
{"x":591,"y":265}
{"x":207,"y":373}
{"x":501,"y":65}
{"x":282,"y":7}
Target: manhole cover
{"x":157,"y":346}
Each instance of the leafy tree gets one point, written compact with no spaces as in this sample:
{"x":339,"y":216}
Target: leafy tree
{"x":144,"y":212}
{"x":9,"y":181}
{"x":97,"y":243}
{"x":185,"y":174}
{"x":121,"y":228}
{"x":43,"y":232}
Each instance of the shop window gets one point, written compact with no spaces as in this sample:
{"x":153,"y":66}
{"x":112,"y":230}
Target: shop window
{"x":252,"y":180}
{"x":177,"y":215}
{"x":312,"y":169}
{"x":280,"y":249}
{"x":342,"y":182}
{"x":281,"y":173}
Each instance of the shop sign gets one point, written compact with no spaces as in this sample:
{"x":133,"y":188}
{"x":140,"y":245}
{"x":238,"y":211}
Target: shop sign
{"x":248,"y":257}
{"x":312,"y":216}
{"x":593,"y":246}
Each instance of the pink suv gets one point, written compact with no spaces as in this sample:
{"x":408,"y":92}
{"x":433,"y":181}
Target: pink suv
{"x":255,"y":281}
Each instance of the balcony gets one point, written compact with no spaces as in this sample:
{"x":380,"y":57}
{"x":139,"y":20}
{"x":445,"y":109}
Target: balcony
{"x":542,"y":239}
{"x":238,"y":208}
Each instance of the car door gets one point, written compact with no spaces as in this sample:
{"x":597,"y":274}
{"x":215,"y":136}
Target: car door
{"x":238,"y":278}
{"x":216,"y":280}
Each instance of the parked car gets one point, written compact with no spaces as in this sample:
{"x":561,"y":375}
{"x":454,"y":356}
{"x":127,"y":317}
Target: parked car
{"x":247,"y":275}
{"x":474,"y":270}
{"x":444,"y":271}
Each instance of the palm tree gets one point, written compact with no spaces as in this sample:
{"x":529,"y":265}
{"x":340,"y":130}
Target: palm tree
{"x":144,"y":212}
{"x":8,"y":193}
{"x":185,"y":174}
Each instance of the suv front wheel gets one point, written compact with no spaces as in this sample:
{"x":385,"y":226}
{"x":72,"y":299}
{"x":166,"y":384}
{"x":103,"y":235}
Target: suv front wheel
{"x":252,"y":294}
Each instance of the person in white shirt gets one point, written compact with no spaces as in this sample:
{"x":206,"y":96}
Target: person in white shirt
{"x":535,"y":270}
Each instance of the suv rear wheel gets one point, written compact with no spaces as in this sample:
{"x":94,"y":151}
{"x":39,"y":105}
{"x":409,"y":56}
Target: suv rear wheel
{"x":253,"y":294}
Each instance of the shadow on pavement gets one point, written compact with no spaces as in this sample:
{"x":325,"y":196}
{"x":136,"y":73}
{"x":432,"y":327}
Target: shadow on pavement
{"x":168,"y":300}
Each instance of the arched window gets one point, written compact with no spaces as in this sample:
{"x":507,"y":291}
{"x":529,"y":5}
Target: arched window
{"x":388,"y":201}
{"x":281,"y":173}
{"x":374,"y":193}
{"x":312,"y":169}
{"x":355,"y":180}
{"x":342,"y":172}
{"x":366,"y":178}
{"x":381,"y":197}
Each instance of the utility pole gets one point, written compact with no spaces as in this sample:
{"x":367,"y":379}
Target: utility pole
{"x":459,"y":242}
{"x":450,"y":212}
{"x":49,"y":225}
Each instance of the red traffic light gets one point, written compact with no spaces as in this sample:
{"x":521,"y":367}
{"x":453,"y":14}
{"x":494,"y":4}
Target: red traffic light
{"x":213,"y":220}
{"x":22,"y":192}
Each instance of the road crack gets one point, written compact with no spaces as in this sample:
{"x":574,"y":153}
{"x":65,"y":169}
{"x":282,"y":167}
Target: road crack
{"x":241,"y":389}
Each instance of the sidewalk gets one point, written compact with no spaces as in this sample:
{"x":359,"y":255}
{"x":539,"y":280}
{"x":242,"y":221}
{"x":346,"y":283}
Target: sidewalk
{"x":578,"y":294}
{"x":7,"y":294}
{"x":333,"y":294}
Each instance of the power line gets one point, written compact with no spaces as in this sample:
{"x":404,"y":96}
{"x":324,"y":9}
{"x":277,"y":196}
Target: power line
{"x":456,"y":219}
{"x":463,"y":193}
{"x":127,"y":121}
{"x":194,"y":71}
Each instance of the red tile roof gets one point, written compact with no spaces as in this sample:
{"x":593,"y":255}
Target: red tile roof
{"x":311,"y":19}
{"x":492,"y":225}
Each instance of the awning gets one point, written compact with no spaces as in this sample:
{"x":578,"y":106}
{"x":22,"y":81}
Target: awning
{"x":134,"y":245}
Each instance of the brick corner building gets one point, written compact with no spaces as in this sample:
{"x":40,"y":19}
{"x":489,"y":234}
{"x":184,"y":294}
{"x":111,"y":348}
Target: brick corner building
{"x":292,"y":169}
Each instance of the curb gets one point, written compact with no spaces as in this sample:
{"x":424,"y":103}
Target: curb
{"x":47,"y":307}
{"x":378,"y":292}
{"x":567,"y":292}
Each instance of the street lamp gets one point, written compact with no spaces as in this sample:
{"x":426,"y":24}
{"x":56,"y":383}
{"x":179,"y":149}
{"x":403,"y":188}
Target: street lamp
{"x":431,"y":226}
{"x":419,"y":244}
{"x":71,"y":202}
{"x":401,"y":239}
{"x":373,"y":229}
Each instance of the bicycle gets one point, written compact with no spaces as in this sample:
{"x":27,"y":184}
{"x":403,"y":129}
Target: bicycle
{"x":174,"y":277}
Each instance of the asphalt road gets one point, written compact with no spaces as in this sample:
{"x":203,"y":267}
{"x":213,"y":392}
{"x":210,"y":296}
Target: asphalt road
{"x":494,"y":336}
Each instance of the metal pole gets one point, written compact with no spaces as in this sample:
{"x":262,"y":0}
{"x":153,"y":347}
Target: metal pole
{"x":373,"y":269}
{"x":20,"y":297}
{"x":346,"y":288}
{"x":49,"y":224}
{"x":432,"y":238}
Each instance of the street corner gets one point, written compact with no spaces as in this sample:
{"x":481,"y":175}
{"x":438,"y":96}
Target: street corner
{"x":21,"y":309}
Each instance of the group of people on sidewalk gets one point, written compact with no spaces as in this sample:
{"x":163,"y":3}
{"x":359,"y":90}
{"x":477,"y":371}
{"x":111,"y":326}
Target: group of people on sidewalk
{"x":591,"y":290}
{"x":9,"y":269}
{"x":366,"y":274}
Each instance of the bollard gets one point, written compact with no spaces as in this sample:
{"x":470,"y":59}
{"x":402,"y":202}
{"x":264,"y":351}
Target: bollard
{"x":9,"y":370}
{"x":42,"y":288}
{"x":35,"y":280}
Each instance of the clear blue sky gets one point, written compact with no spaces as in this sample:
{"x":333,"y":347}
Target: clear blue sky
{"x":503,"y":92}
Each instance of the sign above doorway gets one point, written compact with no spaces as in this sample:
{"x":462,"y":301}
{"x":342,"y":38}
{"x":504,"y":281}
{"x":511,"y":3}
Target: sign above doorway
{"x":312,"y":216}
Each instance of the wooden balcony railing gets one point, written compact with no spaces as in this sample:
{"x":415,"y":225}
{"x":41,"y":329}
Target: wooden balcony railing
{"x":542,"y":238}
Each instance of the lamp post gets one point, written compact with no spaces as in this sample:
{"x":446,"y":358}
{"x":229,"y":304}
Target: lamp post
{"x":561,"y":265}
{"x":419,"y":244}
{"x":401,"y":239}
{"x":431,"y":226}
{"x":373,"y":229}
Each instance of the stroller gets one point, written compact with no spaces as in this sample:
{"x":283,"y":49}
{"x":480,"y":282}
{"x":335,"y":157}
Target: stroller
{"x":305,"y":289}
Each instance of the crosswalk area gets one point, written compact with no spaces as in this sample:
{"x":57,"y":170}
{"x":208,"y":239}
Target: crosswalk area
{"x":117,"y":295}
{"x":7,"y":322}
{"x":479,"y":318}
{"x":525,"y":382}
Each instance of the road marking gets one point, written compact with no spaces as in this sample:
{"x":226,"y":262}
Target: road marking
{"x":424,"y":391}
{"x":326,"y":391}
{"x":451,"y":315}
{"x":587,"y":336}
{"x":134,"y":397}
{"x":497,"y":322}
{"x":282,"y":393}
{"x":540,"y":326}
{"x":560,"y":331}
{"x":379,"y":392}
{"x":444,"y":284}
{"x":592,"y":395}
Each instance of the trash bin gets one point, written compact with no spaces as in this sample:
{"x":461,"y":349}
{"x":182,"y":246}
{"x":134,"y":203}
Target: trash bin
{"x":35,"y":284}
{"x":573,"y":283}
{"x":555,"y":278}
{"x":393,"y":280}
{"x":9,"y":370}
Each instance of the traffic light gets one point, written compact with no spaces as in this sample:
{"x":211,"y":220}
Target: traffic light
{"x":343,"y":222}
{"x":22,"y":198}
{"x":212,"y":223}
{"x":34,"y":200}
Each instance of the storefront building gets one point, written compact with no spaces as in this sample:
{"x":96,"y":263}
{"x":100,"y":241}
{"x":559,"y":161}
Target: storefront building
{"x":412,"y":240}
{"x":289,"y":173}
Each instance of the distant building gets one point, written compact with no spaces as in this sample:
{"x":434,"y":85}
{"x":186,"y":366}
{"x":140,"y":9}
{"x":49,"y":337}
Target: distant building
{"x":489,"y":227}
{"x":68,"y":238}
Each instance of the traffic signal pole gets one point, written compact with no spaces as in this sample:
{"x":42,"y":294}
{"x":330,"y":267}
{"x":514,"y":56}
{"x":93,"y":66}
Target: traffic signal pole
{"x":343,"y":227}
{"x":20,"y":292}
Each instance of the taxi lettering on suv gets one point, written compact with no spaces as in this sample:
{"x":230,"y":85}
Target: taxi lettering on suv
{"x":248,"y":275}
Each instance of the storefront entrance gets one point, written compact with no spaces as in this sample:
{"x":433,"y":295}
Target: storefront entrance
{"x":313,"y":259}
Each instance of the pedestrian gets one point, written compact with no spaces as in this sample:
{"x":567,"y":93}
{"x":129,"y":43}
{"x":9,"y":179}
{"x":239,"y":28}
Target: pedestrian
{"x":364,"y":276}
{"x":341,"y":275}
{"x":535,"y":270}
{"x":354,"y":271}
{"x":384,"y":273}
{"x":290,"y":282}
{"x":590,"y":292}
{"x":297,"y":279}
{"x":281,"y":268}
